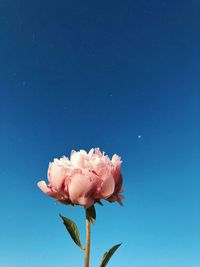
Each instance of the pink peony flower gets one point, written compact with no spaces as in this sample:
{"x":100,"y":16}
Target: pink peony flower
{"x":84,"y":179}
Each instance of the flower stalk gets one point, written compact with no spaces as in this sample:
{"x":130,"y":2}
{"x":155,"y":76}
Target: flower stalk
{"x":87,"y":248}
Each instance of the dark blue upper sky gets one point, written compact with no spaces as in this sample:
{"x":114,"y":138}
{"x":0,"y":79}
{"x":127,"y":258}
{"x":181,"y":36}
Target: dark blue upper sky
{"x":120,"y":75}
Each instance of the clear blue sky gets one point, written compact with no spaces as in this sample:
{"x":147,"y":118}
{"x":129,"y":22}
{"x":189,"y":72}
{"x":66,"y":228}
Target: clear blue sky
{"x":82,"y":74}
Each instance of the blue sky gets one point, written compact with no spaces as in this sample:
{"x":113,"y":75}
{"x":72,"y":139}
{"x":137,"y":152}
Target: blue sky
{"x":82,"y":74}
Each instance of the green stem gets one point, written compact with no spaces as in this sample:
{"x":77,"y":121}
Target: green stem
{"x":87,"y":248}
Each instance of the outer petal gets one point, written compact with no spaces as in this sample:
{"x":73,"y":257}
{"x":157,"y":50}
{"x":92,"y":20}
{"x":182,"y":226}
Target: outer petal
{"x":43,"y":186}
{"x":116,"y":161}
{"x":56,"y":175}
{"x":107,"y":188}
{"x":82,"y":185}
{"x":118,"y":179}
{"x":85,"y":201}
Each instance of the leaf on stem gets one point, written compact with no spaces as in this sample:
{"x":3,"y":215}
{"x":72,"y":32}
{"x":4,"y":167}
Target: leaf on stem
{"x":108,"y":255}
{"x":73,"y":230}
{"x":91,"y":214}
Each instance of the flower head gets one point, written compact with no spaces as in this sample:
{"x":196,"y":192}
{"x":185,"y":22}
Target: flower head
{"x":84,"y":179}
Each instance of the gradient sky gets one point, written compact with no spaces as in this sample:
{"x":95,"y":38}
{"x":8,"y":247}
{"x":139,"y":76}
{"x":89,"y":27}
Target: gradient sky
{"x":120,"y":75}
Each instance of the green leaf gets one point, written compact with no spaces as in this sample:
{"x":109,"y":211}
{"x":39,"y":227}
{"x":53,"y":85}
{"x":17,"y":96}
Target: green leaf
{"x":91,"y":214}
{"x":108,"y":255}
{"x":73,"y":230}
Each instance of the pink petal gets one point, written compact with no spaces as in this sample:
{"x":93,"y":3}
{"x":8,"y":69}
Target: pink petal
{"x":116,"y":160}
{"x":77,"y":159}
{"x":56,"y":175}
{"x":85,"y":201}
{"x":98,"y":152}
{"x":118,"y":180}
{"x":91,"y":153}
{"x":43,"y":186}
{"x":107,"y":187}
{"x":82,"y":185}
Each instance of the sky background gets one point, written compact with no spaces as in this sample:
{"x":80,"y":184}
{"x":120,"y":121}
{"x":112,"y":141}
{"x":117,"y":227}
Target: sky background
{"x":120,"y":75}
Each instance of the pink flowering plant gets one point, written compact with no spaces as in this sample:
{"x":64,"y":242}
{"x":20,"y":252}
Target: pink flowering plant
{"x":85,"y":179}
